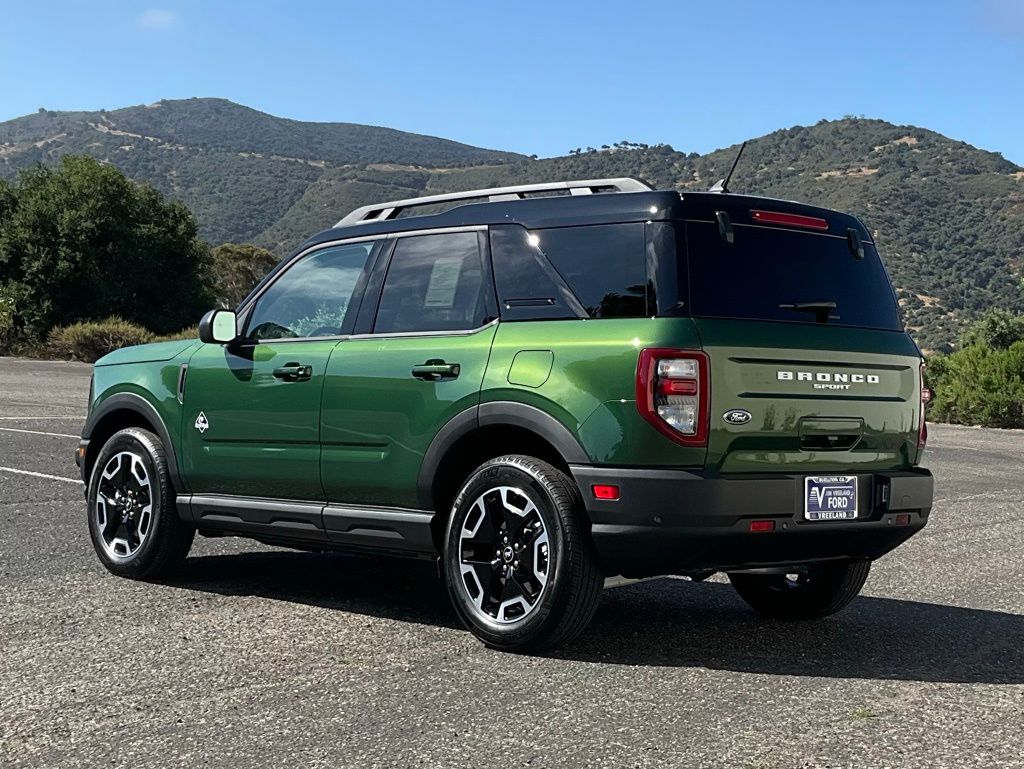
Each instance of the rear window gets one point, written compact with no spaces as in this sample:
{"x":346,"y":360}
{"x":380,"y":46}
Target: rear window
{"x":767,"y":273}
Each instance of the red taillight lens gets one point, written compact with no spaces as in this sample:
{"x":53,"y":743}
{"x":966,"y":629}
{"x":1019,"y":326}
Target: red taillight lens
{"x":673,"y":394}
{"x":605,"y":491}
{"x":761,"y":527}
{"x":926,"y":396}
{"x":789,"y":220}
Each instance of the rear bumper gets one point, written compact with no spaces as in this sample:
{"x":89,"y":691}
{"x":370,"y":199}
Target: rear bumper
{"x":677,"y":522}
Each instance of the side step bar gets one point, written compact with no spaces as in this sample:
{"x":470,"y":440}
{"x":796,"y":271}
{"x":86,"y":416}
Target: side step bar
{"x":386,"y":529}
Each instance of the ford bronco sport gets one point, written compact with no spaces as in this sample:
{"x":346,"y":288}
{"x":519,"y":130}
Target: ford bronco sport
{"x":539,"y":390}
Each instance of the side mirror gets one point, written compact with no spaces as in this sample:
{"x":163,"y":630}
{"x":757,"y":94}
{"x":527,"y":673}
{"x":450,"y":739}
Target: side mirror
{"x":218,"y":327}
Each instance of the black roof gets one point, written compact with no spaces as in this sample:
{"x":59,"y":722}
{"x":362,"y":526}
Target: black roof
{"x":602,"y":208}
{"x":532,"y":213}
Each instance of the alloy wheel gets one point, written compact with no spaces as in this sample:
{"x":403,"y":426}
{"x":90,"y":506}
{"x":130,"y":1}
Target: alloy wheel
{"x":124,"y":505}
{"x":504,"y":555}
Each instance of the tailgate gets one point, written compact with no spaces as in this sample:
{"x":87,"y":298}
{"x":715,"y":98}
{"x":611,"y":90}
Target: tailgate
{"x":819,"y":398}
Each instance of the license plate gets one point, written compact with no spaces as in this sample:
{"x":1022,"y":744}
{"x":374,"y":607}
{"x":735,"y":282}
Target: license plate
{"x":830,"y":497}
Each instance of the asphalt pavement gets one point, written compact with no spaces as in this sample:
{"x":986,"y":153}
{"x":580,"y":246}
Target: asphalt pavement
{"x":259,"y":657}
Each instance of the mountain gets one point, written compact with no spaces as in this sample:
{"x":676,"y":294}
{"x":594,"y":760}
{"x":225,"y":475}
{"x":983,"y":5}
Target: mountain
{"x":238,"y":169}
{"x":948,"y":218}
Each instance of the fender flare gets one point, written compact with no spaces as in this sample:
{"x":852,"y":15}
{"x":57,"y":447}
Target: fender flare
{"x":138,"y":405}
{"x":489,"y":414}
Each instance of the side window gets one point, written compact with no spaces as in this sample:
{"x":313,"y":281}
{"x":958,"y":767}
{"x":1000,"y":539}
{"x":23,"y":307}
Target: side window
{"x":313,"y":297}
{"x":434,"y":283}
{"x":528,"y":286}
{"x":605,"y":265}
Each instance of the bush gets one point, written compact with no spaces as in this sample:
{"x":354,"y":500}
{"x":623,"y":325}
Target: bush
{"x":192,"y":332}
{"x":8,"y":331}
{"x":979,"y":385}
{"x":91,"y":341}
{"x":998,"y":328}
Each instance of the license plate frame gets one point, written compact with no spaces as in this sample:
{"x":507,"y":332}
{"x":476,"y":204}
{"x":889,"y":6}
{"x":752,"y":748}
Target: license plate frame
{"x":830,"y":498}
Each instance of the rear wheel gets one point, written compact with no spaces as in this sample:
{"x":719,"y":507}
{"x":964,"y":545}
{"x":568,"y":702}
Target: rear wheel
{"x":809,"y":592}
{"x":520,"y":567}
{"x":133,"y":521}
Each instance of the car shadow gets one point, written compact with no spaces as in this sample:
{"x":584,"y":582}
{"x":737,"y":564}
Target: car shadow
{"x":662,"y":622}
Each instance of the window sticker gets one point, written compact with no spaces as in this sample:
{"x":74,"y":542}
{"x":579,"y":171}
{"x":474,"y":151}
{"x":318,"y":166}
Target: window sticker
{"x":444,"y":281}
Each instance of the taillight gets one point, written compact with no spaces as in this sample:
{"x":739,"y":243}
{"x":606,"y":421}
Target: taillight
{"x":926,"y":396}
{"x":673,"y":393}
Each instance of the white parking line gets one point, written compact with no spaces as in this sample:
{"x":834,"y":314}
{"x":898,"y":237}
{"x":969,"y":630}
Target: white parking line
{"x":30,"y":417}
{"x":40,"y":475}
{"x":38,"y":432}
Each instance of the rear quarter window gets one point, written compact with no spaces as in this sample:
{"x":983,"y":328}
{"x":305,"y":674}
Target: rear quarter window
{"x":596,"y":271}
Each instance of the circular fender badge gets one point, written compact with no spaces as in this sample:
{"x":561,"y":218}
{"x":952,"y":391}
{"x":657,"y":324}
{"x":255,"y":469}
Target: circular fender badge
{"x":736,"y":417}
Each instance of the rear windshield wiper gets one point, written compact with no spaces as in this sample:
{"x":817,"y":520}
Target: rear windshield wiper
{"x":822,"y":310}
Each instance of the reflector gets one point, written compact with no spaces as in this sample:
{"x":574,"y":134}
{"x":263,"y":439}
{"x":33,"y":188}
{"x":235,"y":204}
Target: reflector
{"x":605,"y":491}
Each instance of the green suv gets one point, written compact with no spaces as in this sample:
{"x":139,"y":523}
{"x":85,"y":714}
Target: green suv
{"x":540,"y":387}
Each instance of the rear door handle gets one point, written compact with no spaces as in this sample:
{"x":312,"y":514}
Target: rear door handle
{"x":294,"y":372}
{"x":435,"y":370}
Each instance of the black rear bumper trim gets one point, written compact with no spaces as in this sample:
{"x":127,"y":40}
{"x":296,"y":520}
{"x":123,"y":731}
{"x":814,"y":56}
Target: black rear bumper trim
{"x":679,"y":521}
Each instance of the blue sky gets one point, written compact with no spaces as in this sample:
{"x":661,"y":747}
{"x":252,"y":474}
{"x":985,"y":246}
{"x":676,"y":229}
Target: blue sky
{"x":538,"y":77}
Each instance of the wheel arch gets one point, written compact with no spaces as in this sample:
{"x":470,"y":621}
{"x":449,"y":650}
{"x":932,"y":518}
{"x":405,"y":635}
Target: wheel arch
{"x":477,"y":434}
{"x":117,"y":413}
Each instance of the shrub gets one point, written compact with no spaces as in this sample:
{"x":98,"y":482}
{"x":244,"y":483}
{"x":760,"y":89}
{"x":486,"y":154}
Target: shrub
{"x":979,"y":385}
{"x":998,"y":328}
{"x":192,"y":332}
{"x":8,"y":332}
{"x":91,"y":341}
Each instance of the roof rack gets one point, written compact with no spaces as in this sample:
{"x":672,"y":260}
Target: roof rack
{"x":379,"y":212}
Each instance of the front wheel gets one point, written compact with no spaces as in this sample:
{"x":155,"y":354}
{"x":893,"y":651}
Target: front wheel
{"x":133,"y":520}
{"x":809,"y":592}
{"x":518,"y":560}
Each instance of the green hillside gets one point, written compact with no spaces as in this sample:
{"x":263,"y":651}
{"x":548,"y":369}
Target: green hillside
{"x":238,"y":169}
{"x":949,"y":218}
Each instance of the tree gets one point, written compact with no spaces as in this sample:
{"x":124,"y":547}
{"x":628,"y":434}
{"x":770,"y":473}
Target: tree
{"x":237,"y":268}
{"x":83,"y":242}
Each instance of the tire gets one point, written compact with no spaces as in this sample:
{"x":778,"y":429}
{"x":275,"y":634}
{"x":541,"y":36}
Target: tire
{"x":548,"y":558}
{"x":808,"y":593}
{"x":133,"y":521}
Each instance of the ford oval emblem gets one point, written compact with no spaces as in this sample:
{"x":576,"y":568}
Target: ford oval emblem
{"x":736,"y":417}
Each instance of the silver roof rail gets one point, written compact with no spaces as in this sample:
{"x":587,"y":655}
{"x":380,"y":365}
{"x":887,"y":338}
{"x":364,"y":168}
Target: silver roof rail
{"x":379,"y":212}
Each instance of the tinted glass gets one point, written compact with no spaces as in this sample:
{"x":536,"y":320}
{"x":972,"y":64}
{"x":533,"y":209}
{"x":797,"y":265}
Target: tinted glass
{"x":312,"y":297}
{"x":433,"y":284}
{"x":604,"y":265}
{"x":765,"y":268}
{"x":529,"y":288}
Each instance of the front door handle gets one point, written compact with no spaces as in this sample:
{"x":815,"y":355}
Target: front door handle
{"x":294,"y":372}
{"x":435,"y":370}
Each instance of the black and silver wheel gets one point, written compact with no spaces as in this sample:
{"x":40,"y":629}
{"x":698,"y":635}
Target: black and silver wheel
{"x":133,"y":521}
{"x":124,"y":505}
{"x":505,"y":555}
{"x":519,"y":564}
{"x":806,"y":592}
